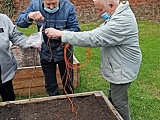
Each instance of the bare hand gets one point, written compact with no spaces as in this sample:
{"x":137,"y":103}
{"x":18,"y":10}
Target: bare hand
{"x":36,"y":16}
{"x":53,"y":33}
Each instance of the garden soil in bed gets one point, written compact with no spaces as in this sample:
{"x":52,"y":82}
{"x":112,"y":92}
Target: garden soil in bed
{"x":85,"y":107}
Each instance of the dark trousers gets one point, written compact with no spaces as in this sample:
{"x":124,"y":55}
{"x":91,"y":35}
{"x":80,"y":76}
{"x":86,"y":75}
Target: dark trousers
{"x":7,"y":92}
{"x":49,"y":71}
{"x":118,"y":96}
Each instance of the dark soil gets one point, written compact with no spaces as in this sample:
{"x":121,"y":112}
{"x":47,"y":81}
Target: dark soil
{"x":86,"y":108}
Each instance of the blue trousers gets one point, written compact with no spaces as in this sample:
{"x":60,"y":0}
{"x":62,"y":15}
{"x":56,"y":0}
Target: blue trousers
{"x":49,"y":71}
{"x":118,"y":96}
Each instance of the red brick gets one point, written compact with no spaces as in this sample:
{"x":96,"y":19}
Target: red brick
{"x":143,"y":9}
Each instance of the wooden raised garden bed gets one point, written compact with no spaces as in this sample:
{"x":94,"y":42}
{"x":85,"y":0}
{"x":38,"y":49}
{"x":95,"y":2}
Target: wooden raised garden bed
{"x":23,"y":82}
{"x":81,"y":106}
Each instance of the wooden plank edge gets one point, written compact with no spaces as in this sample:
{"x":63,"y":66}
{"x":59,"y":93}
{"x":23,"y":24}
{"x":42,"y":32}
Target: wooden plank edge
{"x":47,"y":98}
{"x":31,"y":67}
{"x":115,"y":112}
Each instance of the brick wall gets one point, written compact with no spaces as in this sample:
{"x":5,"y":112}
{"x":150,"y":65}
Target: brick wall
{"x":143,"y":9}
{"x":146,"y":9}
{"x":21,"y":4}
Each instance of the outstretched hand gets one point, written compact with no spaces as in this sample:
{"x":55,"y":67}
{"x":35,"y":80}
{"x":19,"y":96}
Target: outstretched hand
{"x":53,"y":33}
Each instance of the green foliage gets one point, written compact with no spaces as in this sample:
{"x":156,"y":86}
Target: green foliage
{"x":145,"y":91}
{"x":7,"y":7}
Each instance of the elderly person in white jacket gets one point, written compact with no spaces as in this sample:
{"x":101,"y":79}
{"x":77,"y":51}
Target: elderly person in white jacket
{"x":8,"y":65}
{"x":118,"y":40}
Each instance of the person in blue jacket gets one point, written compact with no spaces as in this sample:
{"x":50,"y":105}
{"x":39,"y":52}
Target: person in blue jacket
{"x":59,"y":14}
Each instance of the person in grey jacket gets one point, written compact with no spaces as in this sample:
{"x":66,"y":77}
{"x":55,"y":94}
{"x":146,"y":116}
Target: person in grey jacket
{"x":8,"y":34}
{"x":118,"y":40}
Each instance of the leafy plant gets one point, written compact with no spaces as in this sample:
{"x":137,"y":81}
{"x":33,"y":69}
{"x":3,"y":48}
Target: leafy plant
{"x":7,"y":7}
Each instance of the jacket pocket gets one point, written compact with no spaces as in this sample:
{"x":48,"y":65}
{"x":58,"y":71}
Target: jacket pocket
{"x":60,"y":24}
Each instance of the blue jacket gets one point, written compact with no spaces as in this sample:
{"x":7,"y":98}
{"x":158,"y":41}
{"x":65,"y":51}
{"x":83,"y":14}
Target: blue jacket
{"x":63,"y":19}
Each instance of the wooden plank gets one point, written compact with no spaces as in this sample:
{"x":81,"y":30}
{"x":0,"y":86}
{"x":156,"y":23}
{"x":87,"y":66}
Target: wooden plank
{"x":26,"y":83}
{"x":51,"y":98}
{"x":33,"y":91}
{"x":27,"y":72}
{"x":37,"y":82}
{"x":48,"y":98}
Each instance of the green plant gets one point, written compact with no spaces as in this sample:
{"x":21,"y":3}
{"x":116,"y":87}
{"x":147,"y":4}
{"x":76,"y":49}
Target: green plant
{"x":7,"y":7}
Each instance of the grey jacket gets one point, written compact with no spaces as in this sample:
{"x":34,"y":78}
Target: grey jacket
{"x":118,"y":41}
{"x":8,"y":32}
